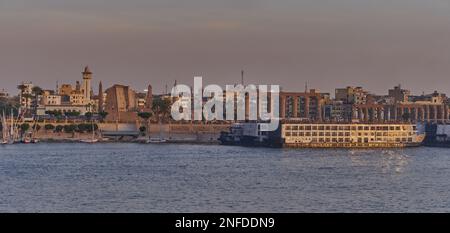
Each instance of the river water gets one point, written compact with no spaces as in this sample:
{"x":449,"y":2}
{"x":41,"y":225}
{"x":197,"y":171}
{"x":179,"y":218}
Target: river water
{"x":211,"y":178}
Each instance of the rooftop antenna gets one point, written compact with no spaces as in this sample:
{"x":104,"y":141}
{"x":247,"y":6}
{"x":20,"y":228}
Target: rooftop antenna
{"x":242,"y":77}
{"x":306,"y":86}
{"x":57,"y":87}
{"x":175,"y":86}
{"x":166,"y":89}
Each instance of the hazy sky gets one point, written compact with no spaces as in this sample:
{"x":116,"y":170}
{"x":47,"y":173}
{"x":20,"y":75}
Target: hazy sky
{"x":329,"y":43}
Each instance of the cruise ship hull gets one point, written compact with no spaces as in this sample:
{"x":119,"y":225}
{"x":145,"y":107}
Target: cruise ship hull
{"x":326,"y":135}
{"x":351,"y":145}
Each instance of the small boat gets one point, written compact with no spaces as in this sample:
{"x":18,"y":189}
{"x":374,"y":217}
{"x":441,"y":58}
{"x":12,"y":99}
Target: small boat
{"x":92,"y":140}
{"x":156,"y":140}
{"x":7,"y":142}
{"x":34,"y":140}
{"x":5,"y":135}
{"x":26,"y":140}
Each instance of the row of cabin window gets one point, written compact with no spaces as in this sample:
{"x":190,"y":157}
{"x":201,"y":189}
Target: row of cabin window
{"x":360,"y":140}
{"x":347,"y":134}
{"x":354,"y":128}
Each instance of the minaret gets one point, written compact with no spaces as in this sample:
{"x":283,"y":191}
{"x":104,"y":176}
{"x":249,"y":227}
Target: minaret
{"x":87,"y":77}
{"x":77,"y":86}
{"x":100,"y":97}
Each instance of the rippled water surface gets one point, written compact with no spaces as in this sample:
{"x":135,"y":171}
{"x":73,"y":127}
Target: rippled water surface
{"x":212,"y":178}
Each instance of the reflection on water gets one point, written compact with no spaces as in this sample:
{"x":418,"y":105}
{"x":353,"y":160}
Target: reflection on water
{"x":199,"y":178}
{"x":395,"y":160}
{"x":390,"y":160}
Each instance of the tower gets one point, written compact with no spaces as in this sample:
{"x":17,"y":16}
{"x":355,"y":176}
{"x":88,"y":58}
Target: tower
{"x":100,"y":97}
{"x":86,"y":88}
{"x":77,"y":86}
{"x":149,"y":98}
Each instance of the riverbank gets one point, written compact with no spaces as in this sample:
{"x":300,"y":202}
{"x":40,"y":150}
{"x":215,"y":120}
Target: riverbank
{"x":121,"y":132}
{"x":192,"y":138}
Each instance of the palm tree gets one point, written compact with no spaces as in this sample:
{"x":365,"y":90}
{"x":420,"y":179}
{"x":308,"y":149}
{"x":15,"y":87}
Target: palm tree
{"x":89,"y":115}
{"x":24,"y":128}
{"x":161,"y":107}
{"x":7,"y":105}
{"x":22,"y":88}
{"x":89,"y":107}
{"x":103,"y":115}
{"x":146,"y":116}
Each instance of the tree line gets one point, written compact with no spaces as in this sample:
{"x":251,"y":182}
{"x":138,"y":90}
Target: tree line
{"x":71,"y":128}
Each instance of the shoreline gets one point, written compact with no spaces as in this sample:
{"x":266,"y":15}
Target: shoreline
{"x":196,"y":142}
{"x":137,"y":141}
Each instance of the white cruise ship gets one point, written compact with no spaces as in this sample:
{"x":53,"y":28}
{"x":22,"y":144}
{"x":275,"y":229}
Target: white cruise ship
{"x":352,"y":135}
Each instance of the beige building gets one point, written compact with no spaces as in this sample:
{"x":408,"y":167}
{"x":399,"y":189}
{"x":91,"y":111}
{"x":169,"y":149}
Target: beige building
{"x":25,"y":95}
{"x":72,"y":96}
{"x":302,"y":105}
{"x":77,"y":99}
{"x":400,"y":95}
{"x":81,"y":94}
{"x":63,"y":108}
{"x":65,"y":89}
{"x":351,"y":95}
{"x":69,"y":99}
{"x":3,"y":93}
{"x":49,"y":98}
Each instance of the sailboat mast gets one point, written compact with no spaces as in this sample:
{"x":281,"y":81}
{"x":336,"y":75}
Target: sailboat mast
{"x":5,"y":134}
{"x":4,"y":127}
{"x":12,"y":125}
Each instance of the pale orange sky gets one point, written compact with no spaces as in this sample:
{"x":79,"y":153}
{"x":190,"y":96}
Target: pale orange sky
{"x":328,"y":43}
